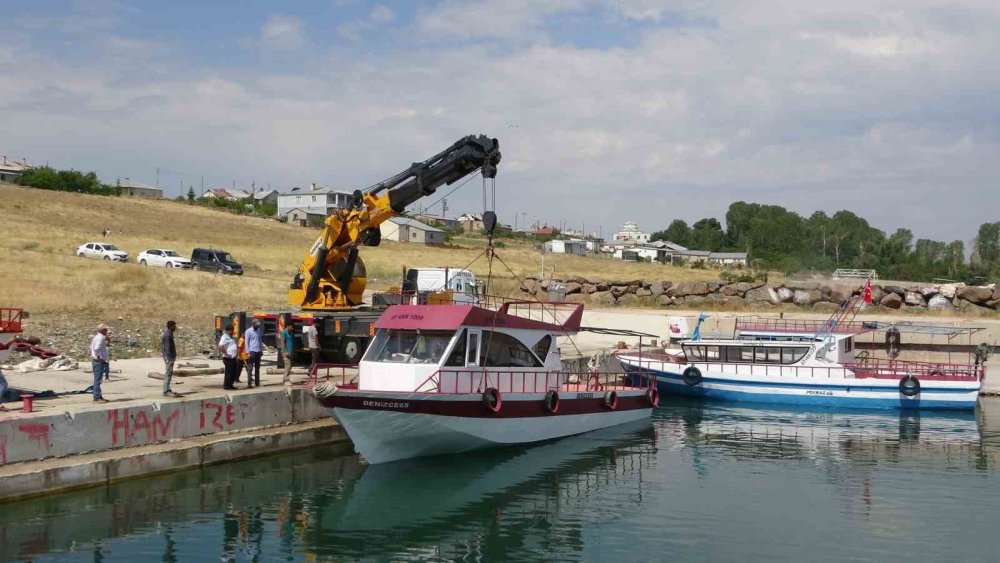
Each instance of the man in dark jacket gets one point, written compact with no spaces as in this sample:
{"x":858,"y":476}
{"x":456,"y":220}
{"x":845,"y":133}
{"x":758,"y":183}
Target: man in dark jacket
{"x":169,"y":357}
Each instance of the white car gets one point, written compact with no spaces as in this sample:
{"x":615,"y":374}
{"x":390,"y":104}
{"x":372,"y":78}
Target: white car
{"x":162,"y":257}
{"x":102,"y":250}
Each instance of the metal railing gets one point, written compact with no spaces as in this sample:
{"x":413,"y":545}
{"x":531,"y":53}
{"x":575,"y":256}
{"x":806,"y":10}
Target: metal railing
{"x":805,"y":326}
{"x":893,"y":369}
{"x":342,"y":375}
{"x":454,"y":382}
{"x":10,"y":319}
{"x":848,"y":274}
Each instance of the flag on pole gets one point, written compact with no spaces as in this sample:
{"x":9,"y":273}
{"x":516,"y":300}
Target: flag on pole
{"x":867,"y":292}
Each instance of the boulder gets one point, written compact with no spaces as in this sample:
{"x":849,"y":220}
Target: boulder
{"x":575,"y":298}
{"x":877,"y":294}
{"x":761,"y":295}
{"x":529,"y":286}
{"x":732,"y":290}
{"x":545,"y":284}
{"x":840,"y":293}
{"x":940,"y":303}
{"x":969,"y":308}
{"x":643,"y":292}
{"x":801,"y":285}
{"x":914,"y":299}
{"x":977,"y":295}
{"x":646,"y":284}
{"x":806,"y":296}
{"x":619,"y":290}
{"x":588,"y":289}
{"x":629,"y":300}
{"x":892,"y":300}
{"x":602,"y":298}
{"x":949,"y":290}
{"x":993,"y":304}
{"x":594,"y":281}
{"x":656,"y":288}
{"x":927,"y":291}
{"x":732,"y":302}
{"x":684,"y":289}
{"x":713,"y":286}
{"x":895,"y":289}
{"x":996,"y":292}
{"x":542,"y":294}
{"x":664,"y":300}
{"x":602,"y":286}
{"x":784,"y":295}
{"x":573,"y":287}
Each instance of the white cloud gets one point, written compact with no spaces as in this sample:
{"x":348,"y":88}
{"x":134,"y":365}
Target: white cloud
{"x":282,"y":33}
{"x":466,"y":19}
{"x":382,"y":14}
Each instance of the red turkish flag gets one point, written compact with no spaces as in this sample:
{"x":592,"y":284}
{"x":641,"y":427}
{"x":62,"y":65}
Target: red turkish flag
{"x":867,"y":292}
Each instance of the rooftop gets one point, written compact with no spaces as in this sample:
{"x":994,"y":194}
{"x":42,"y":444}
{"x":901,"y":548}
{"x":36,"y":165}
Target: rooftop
{"x":414,"y":223}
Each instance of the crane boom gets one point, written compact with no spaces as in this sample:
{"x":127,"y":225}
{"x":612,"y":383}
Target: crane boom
{"x":332,"y":276}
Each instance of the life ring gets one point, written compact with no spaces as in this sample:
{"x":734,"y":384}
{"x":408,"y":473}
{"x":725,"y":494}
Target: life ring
{"x":611,"y":400}
{"x":691,"y":376}
{"x":552,"y":402}
{"x":492,"y":399}
{"x":909,"y":386}
{"x":653,"y":396}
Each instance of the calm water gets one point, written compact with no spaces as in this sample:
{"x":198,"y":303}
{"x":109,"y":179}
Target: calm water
{"x":701,"y":482}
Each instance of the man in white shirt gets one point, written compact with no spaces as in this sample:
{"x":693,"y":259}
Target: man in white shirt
{"x":99,"y":360}
{"x":229,"y":350}
{"x":312,"y":339}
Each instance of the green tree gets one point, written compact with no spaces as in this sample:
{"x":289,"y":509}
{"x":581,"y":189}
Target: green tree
{"x":678,"y":232}
{"x":190,"y":194}
{"x":986,"y":247}
{"x":707,"y":234}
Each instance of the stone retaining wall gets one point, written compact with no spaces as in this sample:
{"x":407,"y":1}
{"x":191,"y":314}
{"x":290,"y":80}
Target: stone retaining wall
{"x":806,"y":294}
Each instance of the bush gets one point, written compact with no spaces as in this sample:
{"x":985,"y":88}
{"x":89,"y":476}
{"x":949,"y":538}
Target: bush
{"x":48,"y":178}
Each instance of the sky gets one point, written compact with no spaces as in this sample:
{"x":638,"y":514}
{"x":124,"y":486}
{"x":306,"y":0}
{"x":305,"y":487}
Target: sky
{"x":606,"y":110}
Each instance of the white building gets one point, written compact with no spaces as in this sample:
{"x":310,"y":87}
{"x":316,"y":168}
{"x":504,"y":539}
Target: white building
{"x":132,"y":188}
{"x":312,"y":200}
{"x":572,"y":246}
{"x":630,"y":233}
{"x":10,"y":170}
{"x":404,"y":229}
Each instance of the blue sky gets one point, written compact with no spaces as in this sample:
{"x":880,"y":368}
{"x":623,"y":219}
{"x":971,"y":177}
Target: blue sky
{"x":606,"y":110}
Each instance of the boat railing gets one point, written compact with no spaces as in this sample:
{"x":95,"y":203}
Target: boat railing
{"x":341,"y":375}
{"x":457,"y":381}
{"x":870,"y":368}
{"x":806,"y":326}
{"x":10,"y":319}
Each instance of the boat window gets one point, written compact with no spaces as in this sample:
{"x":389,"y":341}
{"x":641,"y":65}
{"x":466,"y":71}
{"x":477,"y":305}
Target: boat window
{"x":409,"y":346}
{"x":712,"y":353}
{"x":767,"y":355}
{"x":542,"y":347}
{"x":848,"y":344}
{"x":694,"y":353}
{"x":471,"y":359}
{"x":792,"y":355}
{"x":737,"y":354}
{"x":503,"y":350}
{"x":457,"y":356}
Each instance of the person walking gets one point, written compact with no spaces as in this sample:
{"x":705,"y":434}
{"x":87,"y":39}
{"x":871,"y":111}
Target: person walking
{"x":169,"y":357}
{"x":99,"y":360}
{"x":255,"y":349}
{"x":312,"y":341}
{"x":3,"y":390}
{"x":287,"y":342}
{"x":229,"y":350}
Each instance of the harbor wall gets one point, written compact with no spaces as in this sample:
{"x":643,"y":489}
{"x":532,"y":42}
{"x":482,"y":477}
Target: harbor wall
{"x":41,"y":436}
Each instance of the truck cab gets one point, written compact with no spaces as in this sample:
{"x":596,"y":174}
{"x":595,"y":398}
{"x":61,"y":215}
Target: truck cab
{"x":460,"y":283}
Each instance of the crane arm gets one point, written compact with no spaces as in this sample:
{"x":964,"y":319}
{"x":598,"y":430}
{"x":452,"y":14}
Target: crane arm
{"x":332,"y":275}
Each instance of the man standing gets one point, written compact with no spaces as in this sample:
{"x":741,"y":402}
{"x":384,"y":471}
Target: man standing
{"x":312,"y":340}
{"x":255,"y":349}
{"x":228,"y":350}
{"x":169,"y":357}
{"x":287,"y":348}
{"x":99,"y":360}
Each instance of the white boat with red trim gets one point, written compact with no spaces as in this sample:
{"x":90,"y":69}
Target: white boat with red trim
{"x":440,"y":379}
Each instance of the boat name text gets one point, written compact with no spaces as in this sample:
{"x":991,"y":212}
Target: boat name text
{"x":584,"y":395}
{"x":386,"y":404}
{"x":826,"y":393}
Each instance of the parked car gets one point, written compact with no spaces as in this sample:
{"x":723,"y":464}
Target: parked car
{"x":162,"y":257}
{"x":214,"y":260}
{"x":102,"y":250}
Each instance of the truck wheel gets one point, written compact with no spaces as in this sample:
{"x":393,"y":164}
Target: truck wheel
{"x":350,"y":350}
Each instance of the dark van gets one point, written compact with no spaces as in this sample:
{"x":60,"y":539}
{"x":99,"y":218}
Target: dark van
{"x":212,"y":260}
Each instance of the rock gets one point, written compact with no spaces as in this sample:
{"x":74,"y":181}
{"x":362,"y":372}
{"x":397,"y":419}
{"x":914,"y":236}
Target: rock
{"x":587,"y":289}
{"x":629,"y":300}
{"x":666,"y":285}
{"x":969,"y":308}
{"x":602,"y":298}
{"x":801,"y":285}
{"x":619,"y":290}
{"x":895,"y":289}
{"x":732,"y":302}
{"x":927,"y":291}
{"x":713,"y":286}
{"x":732,"y":290}
{"x":603,"y":286}
{"x":940,"y":303}
{"x":949,"y":290}
{"x":807,"y":296}
{"x":545,"y":284}
{"x":575,"y":298}
{"x":914,"y":299}
{"x":573,"y":287}
{"x":594,"y":281}
{"x":996,"y":292}
{"x":646,"y":284}
{"x":761,"y":295}
{"x":977,"y":295}
{"x":657,"y":289}
{"x":643,"y":292}
{"x":529,"y":286}
{"x":877,"y":294}
{"x":840,"y":293}
{"x":684,"y":289}
{"x":993,"y":304}
{"x":542,"y":294}
{"x":892,"y":300}
{"x":784,"y":295}
{"x":664,"y":300}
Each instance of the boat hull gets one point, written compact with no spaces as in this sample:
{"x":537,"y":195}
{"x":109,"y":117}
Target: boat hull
{"x":388,"y":427}
{"x":864,"y":393}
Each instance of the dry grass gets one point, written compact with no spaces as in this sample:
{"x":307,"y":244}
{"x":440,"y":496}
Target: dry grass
{"x":39,"y":272}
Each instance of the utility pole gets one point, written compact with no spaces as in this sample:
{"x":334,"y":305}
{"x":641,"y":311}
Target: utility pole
{"x":444,"y":208}
{"x":157,"y":177}
{"x":202,"y":185}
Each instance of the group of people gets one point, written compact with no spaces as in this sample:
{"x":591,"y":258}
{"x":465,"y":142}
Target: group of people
{"x":239,"y":351}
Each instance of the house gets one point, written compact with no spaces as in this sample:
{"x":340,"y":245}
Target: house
{"x":729,"y":259}
{"x":303,"y":218}
{"x":636,"y":253}
{"x":227,"y":193}
{"x":471,"y":222}
{"x":450,"y":224}
{"x":313,"y":199}
{"x":544,"y":231}
{"x":404,"y":229}
{"x":714,"y":259}
{"x":266,"y":196}
{"x":571,"y":246}
{"x":630,"y":233}
{"x":132,"y":188}
{"x":11,"y":170}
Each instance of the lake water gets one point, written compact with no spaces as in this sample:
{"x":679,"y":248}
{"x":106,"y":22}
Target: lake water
{"x":702,"y":481}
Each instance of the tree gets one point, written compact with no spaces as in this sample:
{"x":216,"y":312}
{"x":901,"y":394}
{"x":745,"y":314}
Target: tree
{"x":707,"y":234}
{"x":819,"y":231}
{"x":955,"y":259}
{"x":190,"y":194}
{"x":678,"y":233}
{"x":986,"y":247}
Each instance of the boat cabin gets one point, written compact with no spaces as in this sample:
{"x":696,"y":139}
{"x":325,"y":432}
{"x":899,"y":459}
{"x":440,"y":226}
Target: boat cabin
{"x":782,"y":350}
{"x":448,"y":348}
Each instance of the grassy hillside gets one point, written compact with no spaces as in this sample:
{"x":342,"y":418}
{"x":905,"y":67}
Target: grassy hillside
{"x":39,"y":230}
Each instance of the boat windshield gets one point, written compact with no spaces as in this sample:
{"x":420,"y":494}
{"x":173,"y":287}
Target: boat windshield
{"x":409,"y":346}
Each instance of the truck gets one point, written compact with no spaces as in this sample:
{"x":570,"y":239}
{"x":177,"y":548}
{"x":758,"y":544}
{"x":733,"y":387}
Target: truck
{"x":330,"y":283}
